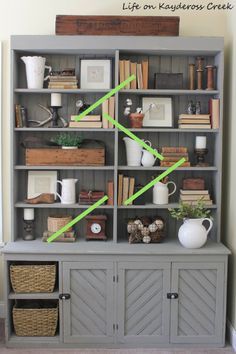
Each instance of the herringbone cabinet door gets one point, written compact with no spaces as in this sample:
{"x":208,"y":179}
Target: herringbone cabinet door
{"x":88,"y":314}
{"x":197,"y":315}
{"x":143,"y":308}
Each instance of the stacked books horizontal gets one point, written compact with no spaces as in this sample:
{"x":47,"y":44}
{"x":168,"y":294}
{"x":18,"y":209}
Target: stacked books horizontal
{"x":63,"y":82}
{"x":193,"y":196}
{"x":125,"y":188}
{"x":194,"y":121}
{"x":69,"y":236}
{"x":173,"y":154}
{"x":139,"y":70}
{"x":90,"y":197}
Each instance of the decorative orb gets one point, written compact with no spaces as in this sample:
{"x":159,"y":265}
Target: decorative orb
{"x":146,"y":239}
{"x":152,"y":227}
{"x":160,"y":224}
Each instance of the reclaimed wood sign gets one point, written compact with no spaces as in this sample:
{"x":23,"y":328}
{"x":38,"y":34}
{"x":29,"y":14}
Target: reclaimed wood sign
{"x":117,"y":25}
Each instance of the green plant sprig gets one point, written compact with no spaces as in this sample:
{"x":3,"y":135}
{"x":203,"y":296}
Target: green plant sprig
{"x":189,"y":211}
{"x":64,"y":139}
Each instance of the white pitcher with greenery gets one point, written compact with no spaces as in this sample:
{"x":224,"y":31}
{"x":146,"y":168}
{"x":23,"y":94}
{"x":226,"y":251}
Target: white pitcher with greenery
{"x":192,"y":233}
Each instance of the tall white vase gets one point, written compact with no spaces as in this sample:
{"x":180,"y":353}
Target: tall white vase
{"x":35,"y":68}
{"x":133,"y":152}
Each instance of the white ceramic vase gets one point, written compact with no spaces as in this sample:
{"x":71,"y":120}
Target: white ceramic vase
{"x":192,"y":233}
{"x":35,"y":68}
{"x":68,"y":193}
{"x":134,"y":151}
{"x":161,"y":192}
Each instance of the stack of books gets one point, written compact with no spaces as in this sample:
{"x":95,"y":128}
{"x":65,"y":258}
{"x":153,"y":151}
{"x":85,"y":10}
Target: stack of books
{"x":173,"y":154}
{"x":140,"y":70}
{"x":193,"y":196}
{"x":90,"y":121}
{"x":194,"y":121}
{"x":125,"y":188}
{"x":63,"y":82}
{"x":69,"y":236}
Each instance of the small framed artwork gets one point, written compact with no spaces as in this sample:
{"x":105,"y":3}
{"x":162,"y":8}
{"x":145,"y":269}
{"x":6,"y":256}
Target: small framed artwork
{"x":41,"y":182}
{"x":95,"y":74}
{"x":158,"y":112}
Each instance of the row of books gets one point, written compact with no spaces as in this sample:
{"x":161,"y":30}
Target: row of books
{"x":96,"y":121}
{"x":202,"y":121}
{"x":173,"y":154}
{"x":21,"y":119}
{"x":140,"y":70}
{"x":125,"y":188}
{"x":63,"y":82}
{"x":193,"y":196}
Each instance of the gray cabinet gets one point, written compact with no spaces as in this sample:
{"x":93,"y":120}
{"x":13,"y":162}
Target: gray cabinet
{"x":143,"y":309}
{"x":197,"y":315}
{"x":88,"y":314}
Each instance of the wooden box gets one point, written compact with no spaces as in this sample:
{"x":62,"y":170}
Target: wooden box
{"x":63,"y":157}
{"x":194,"y":183}
{"x":117,"y":25}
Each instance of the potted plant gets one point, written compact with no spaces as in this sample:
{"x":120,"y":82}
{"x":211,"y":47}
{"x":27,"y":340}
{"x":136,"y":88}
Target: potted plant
{"x":68,"y":141}
{"x":192,"y":233}
{"x":136,"y":118}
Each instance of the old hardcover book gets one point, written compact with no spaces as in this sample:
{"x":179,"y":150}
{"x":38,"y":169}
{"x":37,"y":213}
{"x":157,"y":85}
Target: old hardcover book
{"x":174,"y":149}
{"x":68,"y":236}
{"x":195,"y":197}
{"x":131,"y":187}
{"x":122,"y":70}
{"x":145,"y":74}
{"x":195,"y":202}
{"x":168,"y":164}
{"x":127,"y":73}
{"x":175,"y":158}
{"x":82,"y":124}
{"x":193,"y":121}
{"x":111,"y":110}
{"x":110,"y":193}
{"x":193,"y":183}
{"x":139,"y":76}
{"x":105,"y":110}
{"x":194,"y":192}
{"x":195,"y":126}
{"x":133,"y":71}
{"x":89,"y":118}
{"x":18,"y":119}
{"x":214,"y":106}
{"x":194,"y":116}
{"x":120,"y":189}
{"x":174,"y":154}
{"x":125,"y":189}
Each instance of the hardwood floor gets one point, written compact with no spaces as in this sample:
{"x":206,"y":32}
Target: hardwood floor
{"x":3,"y":350}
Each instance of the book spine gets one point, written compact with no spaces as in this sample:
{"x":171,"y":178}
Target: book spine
{"x":174,"y":149}
{"x":105,"y":110}
{"x":110,"y":193}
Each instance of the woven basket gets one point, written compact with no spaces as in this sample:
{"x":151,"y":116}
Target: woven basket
{"x":33,"y":278}
{"x":56,"y":222}
{"x":35,"y":322}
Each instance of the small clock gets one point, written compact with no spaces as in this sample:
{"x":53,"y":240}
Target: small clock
{"x":96,"y":226}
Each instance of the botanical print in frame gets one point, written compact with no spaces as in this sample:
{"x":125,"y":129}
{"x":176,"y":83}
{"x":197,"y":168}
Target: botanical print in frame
{"x":95,"y":74}
{"x":158,"y":112}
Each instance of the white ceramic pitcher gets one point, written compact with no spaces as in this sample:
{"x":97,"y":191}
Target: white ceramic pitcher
{"x":134,"y":151}
{"x":192,"y":233}
{"x":68,"y":194}
{"x":148,"y":159}
{"x":35,"y":68}
{"x":161,"y":192}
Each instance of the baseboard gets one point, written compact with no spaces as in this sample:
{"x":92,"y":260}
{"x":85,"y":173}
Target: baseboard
{"x":2,"y":309}
{"x":231,"y":333}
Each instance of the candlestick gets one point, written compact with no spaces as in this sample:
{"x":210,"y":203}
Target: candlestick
{"x":200,"y":142}
{"x":191,"y":76}
{"x":29,"y":214}
{"x":210,"y":77}
{"x":55,"y":99}
{"x":201,"y":157}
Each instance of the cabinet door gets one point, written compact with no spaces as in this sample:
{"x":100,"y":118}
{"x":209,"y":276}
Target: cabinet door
{"x":143,"y":308}
{"x":197,"y":316}
{"x":88,"y":314}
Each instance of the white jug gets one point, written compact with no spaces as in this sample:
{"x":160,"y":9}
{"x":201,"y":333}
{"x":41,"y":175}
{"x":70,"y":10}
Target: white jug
{"x":192,"y":234}
{"x":35,"y":67}
{"x":148,"y":159}
{"x":161,"y":192}
{"x":68,"y":194}
{"x":133,"y":151}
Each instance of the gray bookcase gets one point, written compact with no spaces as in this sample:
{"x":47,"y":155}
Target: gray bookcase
{"x":99,"y":276}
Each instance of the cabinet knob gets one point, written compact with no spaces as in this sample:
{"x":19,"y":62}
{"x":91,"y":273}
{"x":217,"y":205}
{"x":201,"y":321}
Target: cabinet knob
{"x":64,"y":296}
{"x":172,"y":296}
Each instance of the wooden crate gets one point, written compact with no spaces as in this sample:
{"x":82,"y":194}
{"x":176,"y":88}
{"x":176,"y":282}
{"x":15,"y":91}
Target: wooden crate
{"x":118,"y":25}
{"x":63,"y":157}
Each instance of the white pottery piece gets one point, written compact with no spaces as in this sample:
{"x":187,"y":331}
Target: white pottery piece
{"x":161,"y":192}
{"x":35,"y":68}
{"x":69,"y":147}
{"x":192,"y":233}
{"x":68,"y":194}
{"x":148,"y":159}
{"x":133,"y":151}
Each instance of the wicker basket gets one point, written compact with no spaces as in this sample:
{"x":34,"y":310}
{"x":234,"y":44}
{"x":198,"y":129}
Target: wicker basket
{"x":33,"y":278}
{"x":35,"y":322}
{"x":56,"y":222}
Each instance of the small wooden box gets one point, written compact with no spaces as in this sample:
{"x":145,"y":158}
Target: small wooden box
{"x":194,"y":183}
{"x":117,"y":25}
{"x":165,"y":81}
{"x":63,"y":157}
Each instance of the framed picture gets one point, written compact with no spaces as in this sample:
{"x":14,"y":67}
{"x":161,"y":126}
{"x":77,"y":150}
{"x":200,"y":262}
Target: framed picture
{"x":95,"y":74}
{"x":158,"y":112}
{"x":41,"y":182}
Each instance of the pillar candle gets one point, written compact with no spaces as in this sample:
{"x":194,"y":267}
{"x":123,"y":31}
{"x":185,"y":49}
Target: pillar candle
{"x":56,"y":100}
{"x":200,"y":142}
{"x":28,"y":214}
